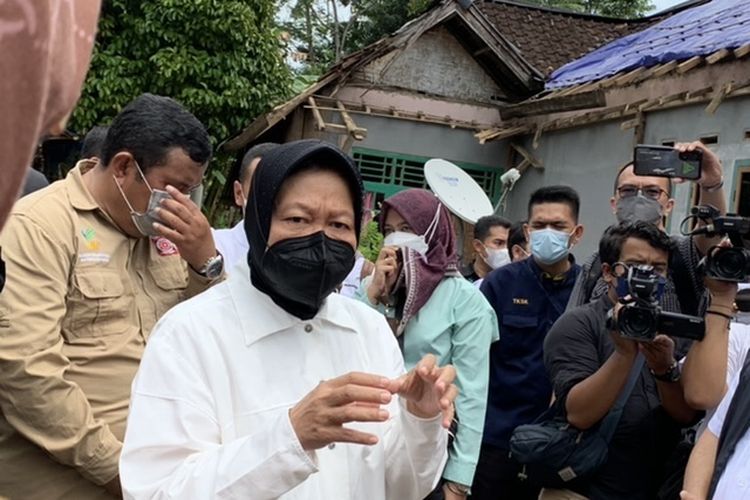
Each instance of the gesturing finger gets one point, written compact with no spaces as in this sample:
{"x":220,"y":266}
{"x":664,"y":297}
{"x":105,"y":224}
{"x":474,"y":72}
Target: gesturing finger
{"x":360,"y":378}
{"x":353,"y":413}
{"x":426,"y":366}
{"x":351,"y":393}
{"x":346,"y":435}
{"x":446,"y":376}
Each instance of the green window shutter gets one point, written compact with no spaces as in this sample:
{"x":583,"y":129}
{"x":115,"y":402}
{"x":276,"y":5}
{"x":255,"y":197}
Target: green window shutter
{"x":386,"y":173}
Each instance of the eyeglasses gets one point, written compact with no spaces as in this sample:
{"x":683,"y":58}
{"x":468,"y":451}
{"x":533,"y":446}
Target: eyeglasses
{"x":652,"y":192}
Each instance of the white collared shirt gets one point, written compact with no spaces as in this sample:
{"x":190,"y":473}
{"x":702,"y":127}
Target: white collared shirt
{"x":232,"y":244}
{"x":209,"y":416}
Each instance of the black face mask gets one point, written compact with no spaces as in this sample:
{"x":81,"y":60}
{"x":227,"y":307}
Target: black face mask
{"x":299,"y":273}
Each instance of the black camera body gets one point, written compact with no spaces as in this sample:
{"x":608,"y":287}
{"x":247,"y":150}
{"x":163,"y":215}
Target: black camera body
{"x":725,"y":263}
{"x":642,"y":318}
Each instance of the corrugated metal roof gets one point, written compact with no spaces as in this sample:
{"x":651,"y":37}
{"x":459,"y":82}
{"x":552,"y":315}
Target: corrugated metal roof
{"x":700,"y":31}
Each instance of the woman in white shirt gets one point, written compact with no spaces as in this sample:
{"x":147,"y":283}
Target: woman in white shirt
{"x":271,"y":386}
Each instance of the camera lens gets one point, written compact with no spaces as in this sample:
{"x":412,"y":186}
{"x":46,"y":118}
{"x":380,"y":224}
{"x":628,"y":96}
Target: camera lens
{"x":730,"y":263}
{"x":638,"y":323}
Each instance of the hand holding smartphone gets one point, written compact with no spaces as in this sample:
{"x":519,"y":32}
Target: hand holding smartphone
{"x":666,"y":161}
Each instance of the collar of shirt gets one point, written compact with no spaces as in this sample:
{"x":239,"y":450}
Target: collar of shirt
{"x":80,"y":197}
{"x":543,"y":275}
{"x":260,"y":316}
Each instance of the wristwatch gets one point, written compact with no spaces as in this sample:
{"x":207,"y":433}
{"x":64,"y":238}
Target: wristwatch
{"x":671,"y":375}
{"x":213,"y":267}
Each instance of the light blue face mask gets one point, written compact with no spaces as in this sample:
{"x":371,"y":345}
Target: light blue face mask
{"x":549,"y":246}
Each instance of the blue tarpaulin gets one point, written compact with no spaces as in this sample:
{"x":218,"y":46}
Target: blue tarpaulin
{"x":700,"y":31}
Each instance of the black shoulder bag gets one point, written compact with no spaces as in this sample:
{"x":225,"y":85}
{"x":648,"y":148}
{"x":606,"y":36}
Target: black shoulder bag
{"x":555,"y":453}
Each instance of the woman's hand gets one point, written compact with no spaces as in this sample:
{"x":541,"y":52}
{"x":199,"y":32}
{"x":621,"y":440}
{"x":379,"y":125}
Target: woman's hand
{"x":386,"y":273}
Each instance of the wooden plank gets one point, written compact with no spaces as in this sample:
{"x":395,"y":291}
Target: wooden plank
{"x":719,"y":94}
{"x":718,"y":56}
{"x":741,"y":52}
{"x":537,"y":136}
{"x":665,"y":69}
{"x":629,"y":77}
{"x":535,"y":162}
{"x":500,"y":134}
{"x":691,"y":63}
{"x":356,"y":132}
{"x":586,"y":100}
{"x":320,"y":124}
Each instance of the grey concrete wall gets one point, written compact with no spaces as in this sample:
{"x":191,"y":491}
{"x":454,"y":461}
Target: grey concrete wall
{"x":586,"y":159}
{"x":436,"y":64}
{"x":690,"y":123}
{"x":436,"y":141}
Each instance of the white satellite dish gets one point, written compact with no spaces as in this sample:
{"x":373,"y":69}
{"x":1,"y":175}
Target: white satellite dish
{"x":457,"y":190}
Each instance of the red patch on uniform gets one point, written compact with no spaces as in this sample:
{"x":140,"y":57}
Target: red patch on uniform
{"x":164,"y":246}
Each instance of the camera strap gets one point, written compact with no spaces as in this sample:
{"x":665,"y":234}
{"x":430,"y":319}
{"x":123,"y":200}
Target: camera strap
{"x":609,"y":423}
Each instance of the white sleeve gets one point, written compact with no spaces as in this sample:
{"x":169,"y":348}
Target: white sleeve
{"x":173,"y":446}
{"x":416,"y":449}
{"x":717,"y":421}
{"x":739,"y":344}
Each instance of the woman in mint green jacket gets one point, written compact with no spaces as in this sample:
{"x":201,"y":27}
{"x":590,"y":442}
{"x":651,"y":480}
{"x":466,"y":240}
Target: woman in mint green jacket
{"x":433,"y":309}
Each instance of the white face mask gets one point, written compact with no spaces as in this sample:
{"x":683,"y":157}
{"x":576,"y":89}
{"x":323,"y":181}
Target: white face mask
{"x":416,"y":242}
{"x":497,"y":257}
{"x":403,"y":239}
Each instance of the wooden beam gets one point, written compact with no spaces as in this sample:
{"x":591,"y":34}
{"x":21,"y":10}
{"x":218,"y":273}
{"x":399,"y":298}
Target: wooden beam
{"x":629,"y":77}
{"x":573,"y":102}
{"x":351,"y":127}
{"x":719,"y":94}
{"x":665,"y":69}
{"x":718,"y":56}
{"x":537,"y":136}
{"x":534,"y":162}
{"x":320,"y":124}
{"x":691,"y":63}
{"x":741,"y":52}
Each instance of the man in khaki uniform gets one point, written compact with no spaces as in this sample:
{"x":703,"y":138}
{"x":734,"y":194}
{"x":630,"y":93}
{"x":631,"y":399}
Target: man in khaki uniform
{"x":90,"y":271}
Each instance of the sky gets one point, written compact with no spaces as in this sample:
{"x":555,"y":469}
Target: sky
{"x":664,"y":4}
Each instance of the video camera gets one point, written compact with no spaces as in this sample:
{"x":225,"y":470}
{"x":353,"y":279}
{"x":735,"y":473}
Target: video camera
{"x":723,"y":263}
{"x":642,"y":318}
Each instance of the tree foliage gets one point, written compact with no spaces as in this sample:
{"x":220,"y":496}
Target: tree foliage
{"x":327,"y":30}
{"x":626,"y":9}
{"x":222,"y":59}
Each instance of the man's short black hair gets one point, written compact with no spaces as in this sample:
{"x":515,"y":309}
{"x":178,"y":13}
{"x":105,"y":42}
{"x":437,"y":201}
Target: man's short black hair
{"x":517,"y":236}
{"x":556,"y":194}
{"x":485,"y":224}
{"x":93,"y":142}
{"x":257,"y":151}
{"x":610,"y":246}
{"x":150,"y":126}
{"x":630,"y":164}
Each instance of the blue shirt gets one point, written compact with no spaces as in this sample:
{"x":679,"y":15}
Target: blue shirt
{"x":457,"y":325}
{"x":526,"y":303}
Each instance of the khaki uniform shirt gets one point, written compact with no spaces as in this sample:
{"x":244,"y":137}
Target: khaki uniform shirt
{"x":80,"y":300}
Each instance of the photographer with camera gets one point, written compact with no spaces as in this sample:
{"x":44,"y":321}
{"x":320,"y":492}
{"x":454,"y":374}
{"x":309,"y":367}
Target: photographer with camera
{"x":649,"y":198}
{"x":433,"y":309}
{"x":592,"y":351}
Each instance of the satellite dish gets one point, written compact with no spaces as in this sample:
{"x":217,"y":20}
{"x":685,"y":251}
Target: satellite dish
{"x":457,"y":190}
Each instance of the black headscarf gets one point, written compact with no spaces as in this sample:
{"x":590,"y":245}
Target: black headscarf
{"x":274,"y":168}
